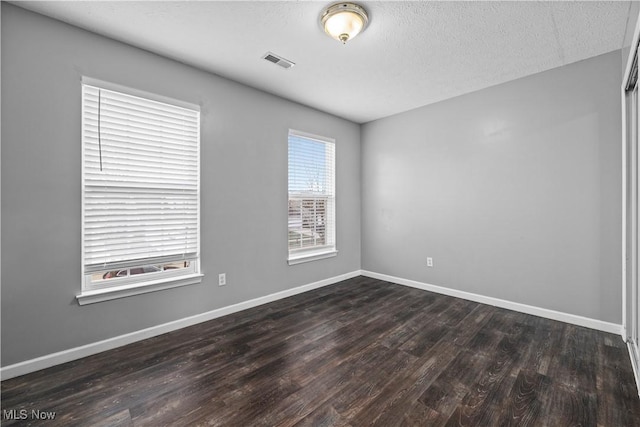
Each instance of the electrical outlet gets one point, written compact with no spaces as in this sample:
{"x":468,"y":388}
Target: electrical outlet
{"x":222,"y":279}
{"x":429,"y":262}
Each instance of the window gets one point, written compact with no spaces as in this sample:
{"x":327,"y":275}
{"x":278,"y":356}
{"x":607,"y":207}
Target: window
{"x":312,"y":202}
{"x":141,"y":193}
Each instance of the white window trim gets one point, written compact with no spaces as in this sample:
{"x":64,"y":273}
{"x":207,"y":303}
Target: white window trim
{"x":311,"y":256}
{"x":317,"y":253}
{"x":145,"y":284}
{"x":137,"y":92}
{"x":114,"y":292}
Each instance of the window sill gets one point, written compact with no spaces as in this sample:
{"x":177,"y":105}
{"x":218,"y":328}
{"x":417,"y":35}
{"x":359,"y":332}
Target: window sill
{"x":311,"y":256}
{"x":106,"y":294}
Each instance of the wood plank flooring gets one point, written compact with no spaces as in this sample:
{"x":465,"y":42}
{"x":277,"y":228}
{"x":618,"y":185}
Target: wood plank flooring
{"x":358,"y":353}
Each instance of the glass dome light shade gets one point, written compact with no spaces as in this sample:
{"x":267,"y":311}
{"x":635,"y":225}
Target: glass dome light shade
{"x":343,"y":21}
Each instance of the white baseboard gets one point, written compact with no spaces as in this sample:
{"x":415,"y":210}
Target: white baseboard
{"x":635,"y":363}
{"x":71,"y":354}
{"x":523,"y":308}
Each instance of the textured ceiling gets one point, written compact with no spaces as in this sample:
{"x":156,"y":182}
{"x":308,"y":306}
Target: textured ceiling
{"x":412,"y":53}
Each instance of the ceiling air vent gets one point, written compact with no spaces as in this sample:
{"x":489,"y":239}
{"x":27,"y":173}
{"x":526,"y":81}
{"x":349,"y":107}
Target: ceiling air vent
{"x":278,"y":60}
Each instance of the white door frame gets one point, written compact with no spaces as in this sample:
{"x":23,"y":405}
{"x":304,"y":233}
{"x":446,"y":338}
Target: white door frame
{"x":630,"y":165}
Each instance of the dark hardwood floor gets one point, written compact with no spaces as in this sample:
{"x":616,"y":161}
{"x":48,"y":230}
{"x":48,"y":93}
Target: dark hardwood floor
{"x":361,"y":352}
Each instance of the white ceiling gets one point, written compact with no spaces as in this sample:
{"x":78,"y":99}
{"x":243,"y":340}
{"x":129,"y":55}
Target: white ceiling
{"x":412,"y":53}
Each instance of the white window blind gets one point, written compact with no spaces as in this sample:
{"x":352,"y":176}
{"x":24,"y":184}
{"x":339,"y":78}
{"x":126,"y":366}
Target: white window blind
{"x":311,"y":194}
{"x":140,"y":181}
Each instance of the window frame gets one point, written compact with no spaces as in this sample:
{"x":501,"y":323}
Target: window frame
{"x":119,"y":287}
{"x":328,"y":250}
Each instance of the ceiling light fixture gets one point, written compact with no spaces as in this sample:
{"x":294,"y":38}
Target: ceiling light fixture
{"x":344,"y":21}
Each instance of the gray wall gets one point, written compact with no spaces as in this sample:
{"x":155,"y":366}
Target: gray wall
{"x":513,"y":190}
{"x":244,"y":187}
{"x":632,"y":20}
